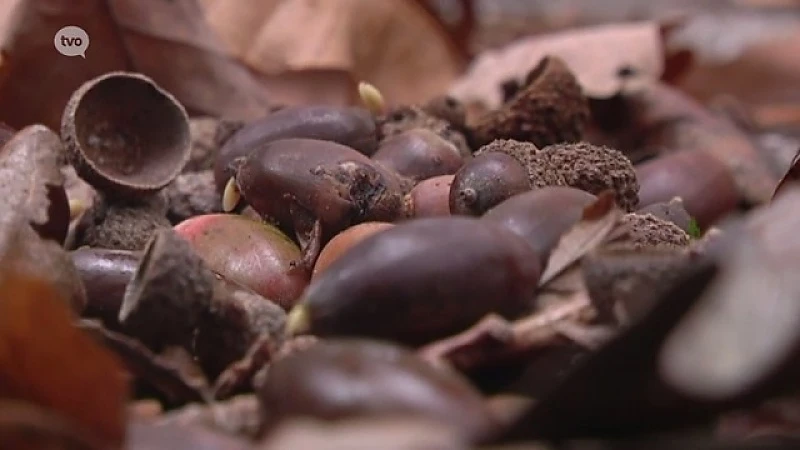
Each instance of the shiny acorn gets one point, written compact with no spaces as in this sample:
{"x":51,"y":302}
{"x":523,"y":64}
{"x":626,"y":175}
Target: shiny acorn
{"x":420,"y":280}
{"x":377,"y":379}
{"x":350,"y":126}
{"x":429,"y":198}
{"x":485,"y":181}
{"x":313,"y":189}
{"x":541,"y":216}
{"x":251,"y":253}
{"x":418,"y":154}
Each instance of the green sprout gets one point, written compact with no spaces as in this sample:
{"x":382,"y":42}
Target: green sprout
{"x":694,"y":229}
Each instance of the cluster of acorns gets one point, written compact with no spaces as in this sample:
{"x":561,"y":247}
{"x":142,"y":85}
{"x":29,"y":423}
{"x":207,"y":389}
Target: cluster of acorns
{"x":404,"y":224}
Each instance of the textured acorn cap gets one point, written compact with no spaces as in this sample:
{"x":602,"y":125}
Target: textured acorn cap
{"x":125,"y":135}
{"x":549,"y":108}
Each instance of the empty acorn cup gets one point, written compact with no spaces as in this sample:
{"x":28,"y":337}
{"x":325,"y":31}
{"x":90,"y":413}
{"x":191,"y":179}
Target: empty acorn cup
{"x":125,"y":135}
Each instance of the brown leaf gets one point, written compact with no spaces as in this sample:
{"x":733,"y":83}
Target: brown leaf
{"x":45,"y":360}
{"x":745,"y":329}
{"x":600,"y":57}
{"x":168,"y":41}
{"x":494,"y":340}
{"x":362,"y":39}
{"x":599,"y":220}
{"x":158,"y":371}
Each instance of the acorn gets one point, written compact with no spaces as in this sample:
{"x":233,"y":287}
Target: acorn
{"x":35,"y":154}
{"x":344,"y":241}
{"x":485,"y":181}
{"x":703,"y":182}
{"x":125,"y":135}
{"x":350,"y":126}
{"x":114,"y":224}
{"x":548,"y":109}
{"x":175,"y":299}
{"x":429,"y":198}
{"x":420,"y":280}
{"x":403,"y":118}
{"x":541,"y":216}
{"x":251,"y":253}
{"x":314,"y":189}
{"x":380,"y":379}
{"x":418,"y":154}
{"x":105,"y":274}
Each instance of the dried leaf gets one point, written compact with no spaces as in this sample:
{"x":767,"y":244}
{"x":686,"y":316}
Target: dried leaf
{"x":155,"y":370}
{"x":722,"y":351}
{"x":362,"y":39}
{"x":494,"y":340}
{"x":791,"y":175}
{"x":45,"y":360}
{"x":617,"y":389}
{"x":599,"y":220}
{"x":168,"y":41}
{"x":603,"y":58}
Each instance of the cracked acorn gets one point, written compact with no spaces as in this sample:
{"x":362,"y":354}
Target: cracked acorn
{"x":314,"y":189}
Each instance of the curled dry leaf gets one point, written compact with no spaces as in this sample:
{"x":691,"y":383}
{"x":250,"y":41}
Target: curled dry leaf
{"x":617,"y":387}
{"x":167,"y":377}
{"x":494,"y":340}
{"x":599,"y":220}
{"x":603,"y":58}
{"x":38,"y":351}
{"x":168,"y":41}
{"x":322,"y":49}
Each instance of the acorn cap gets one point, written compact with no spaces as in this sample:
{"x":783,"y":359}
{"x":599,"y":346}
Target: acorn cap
{"x":125,"y":135}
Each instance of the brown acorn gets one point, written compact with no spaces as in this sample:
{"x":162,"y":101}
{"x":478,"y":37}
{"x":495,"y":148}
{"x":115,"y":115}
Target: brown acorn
{"x":541,"y":216}
{"x":429,"y":197}
{"x":485,"y":181}
{"x":125,"y":135}
{"x":105,"y":274}
{"x":549,"y":109}
{"x":703,"y":182}
{"x":251,"y":253}
{"x":420,"y":280}
{"x":379,"y":379}
{"x":314,"y":189}
{"x":418,"y":154}
{"x":350,"y":126}
{"x":344,"y":241}
{"x":403,"y":118}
